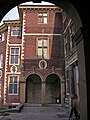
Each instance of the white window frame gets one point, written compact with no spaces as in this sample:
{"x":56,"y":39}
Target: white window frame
{"x":42,"y":16}
{"x":16,"y":28}
{"x":18,"y":56}
{"x":13,"y":84}
{"x":42,"y":38}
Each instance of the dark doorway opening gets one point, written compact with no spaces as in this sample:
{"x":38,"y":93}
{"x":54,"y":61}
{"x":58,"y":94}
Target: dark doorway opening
{"x":33,"y":89}
{"x":53,"y":89}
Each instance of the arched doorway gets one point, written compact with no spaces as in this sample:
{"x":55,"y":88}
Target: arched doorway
{"x":53,"y":89}
{"x":83,"y":72}
{"x":33,"y":89}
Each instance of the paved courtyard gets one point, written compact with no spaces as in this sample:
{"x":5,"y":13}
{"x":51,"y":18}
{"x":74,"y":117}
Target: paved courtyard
{"x":40,"y":113}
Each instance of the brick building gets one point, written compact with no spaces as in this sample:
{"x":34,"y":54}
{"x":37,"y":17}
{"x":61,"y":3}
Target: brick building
{"x":71,"y":60}
{"x":32,"y":57}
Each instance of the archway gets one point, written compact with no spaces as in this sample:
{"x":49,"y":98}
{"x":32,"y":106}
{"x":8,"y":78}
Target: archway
{"x":85,"y":20}
{"x":33,"y":89}
{"x":53,"y":89}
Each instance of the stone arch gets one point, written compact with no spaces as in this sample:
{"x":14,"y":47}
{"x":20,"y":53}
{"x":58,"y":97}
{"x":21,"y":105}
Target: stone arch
{"x":33,"y":89}
{"x":85,"y":31}
{"x":30,"y":73}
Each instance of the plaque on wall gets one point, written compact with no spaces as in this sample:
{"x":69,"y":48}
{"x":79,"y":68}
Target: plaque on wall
{"x":42,"y":64}
{"x":13,"y":69}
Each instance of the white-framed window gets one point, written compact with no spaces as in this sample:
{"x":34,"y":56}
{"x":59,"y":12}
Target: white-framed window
{"x":16,"y":31}
{"x":42,"y":18}
{"x":1,"y":60}
{"x":13,"y":85}
{"x":0,"y":87}
{"x":14,"y":55}
{"x":42,"y":48}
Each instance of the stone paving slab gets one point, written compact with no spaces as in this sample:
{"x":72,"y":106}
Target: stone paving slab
{"x":40,"y":113}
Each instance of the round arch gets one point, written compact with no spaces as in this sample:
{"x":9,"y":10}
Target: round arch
{"x":85,"y":21}
{"x":33,"y":89}
{"x":53,"y":89}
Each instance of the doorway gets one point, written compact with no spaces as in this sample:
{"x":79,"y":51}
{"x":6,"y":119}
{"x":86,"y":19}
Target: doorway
{"x":33,"y":89}
{"x":53,"y":89}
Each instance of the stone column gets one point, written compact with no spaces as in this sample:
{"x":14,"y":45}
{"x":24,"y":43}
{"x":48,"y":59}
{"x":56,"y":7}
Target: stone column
{"x":22,"y":91}
{"x":43,"y":94}
{"x":77,"y":80}
{"x":72,"y":88}
{"x":62,"y":91}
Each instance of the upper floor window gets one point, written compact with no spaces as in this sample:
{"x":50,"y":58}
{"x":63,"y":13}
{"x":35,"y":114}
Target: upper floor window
{"x":42,"y":18}
{"x":16,"y":31}
{"x":1,"y":60}
{"x":2,"y":36}
{"x":43,"y":48}
{"x":13,"y":85}
{"x":14,"y":56}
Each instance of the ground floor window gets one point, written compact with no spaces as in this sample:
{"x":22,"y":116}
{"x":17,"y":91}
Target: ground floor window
{"x":13,"y":85}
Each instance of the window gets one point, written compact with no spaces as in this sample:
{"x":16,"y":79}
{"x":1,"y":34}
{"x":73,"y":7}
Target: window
{"x":42,"y":18}
{"x":42,"y":48}
{"x":13,"y":84}
{"x":14,"y":56}
{"x":16,"y":31}
{"x":0,"y":87}
{"x":3,"y":36}
{"x":1,"y":60}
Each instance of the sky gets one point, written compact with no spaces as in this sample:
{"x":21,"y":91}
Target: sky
{"x":13,"y":13}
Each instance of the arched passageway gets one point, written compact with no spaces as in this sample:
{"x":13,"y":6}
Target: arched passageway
{"x":53,"y":89}
{"x":33,"y":89}
{"x":83,"y":71}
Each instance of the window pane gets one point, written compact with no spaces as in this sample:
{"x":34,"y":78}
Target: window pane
{"x":39,"y":42}
{"x":1,"y":60}
{"x":45,"y":42}
{"x":16,"y":59}
{"x":40,"y":52}
{"x":11,"y":79}
{"x":45,"y":53}
{"x":12,"y":51}
{"x":15,"y":79}
{"x":17,"y":51}
{"x":45,"y":20}
{"x":44,"y":14}
{"x":15,"y":88}
{"x":39,"y":14}
{"x":16,"y":30}
{"x":10,"y":88}
{"x":12,"y":59}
